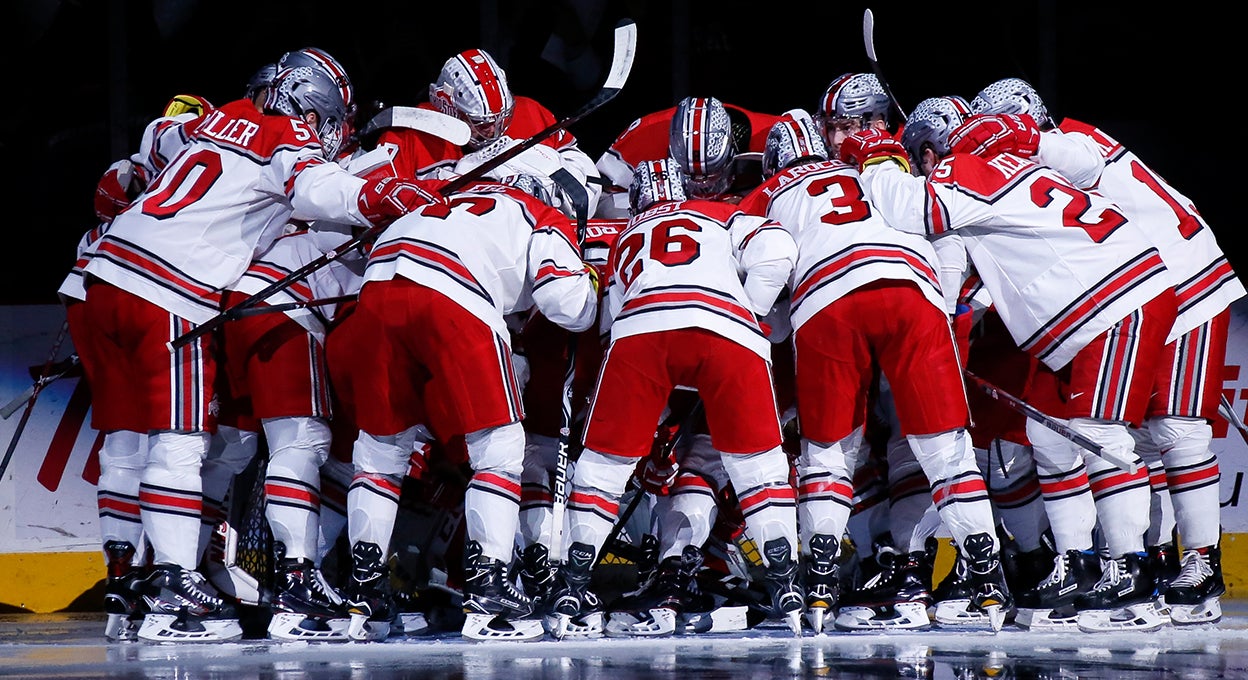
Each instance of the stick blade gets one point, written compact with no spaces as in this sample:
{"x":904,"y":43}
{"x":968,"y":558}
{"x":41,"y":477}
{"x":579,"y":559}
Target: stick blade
{"x":17,"y":402}
{"x":868,"y":33}
{"x":622,"y":58}
{"x":435,"y":123}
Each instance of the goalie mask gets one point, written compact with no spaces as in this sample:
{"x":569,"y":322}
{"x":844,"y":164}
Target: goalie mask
{"x":1012,"y":95}
{"x":851,"y":98}
{"x":655,"y":182}
{"x":792,"y":139}
{"x":702,"y":145}
{"x":474,"y":89}
{"x":304,"y":89}
{"x":931,"y":123}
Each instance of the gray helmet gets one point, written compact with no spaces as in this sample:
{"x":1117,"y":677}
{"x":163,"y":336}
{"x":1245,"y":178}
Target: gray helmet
{"x":931,"y":122}
{"x":297,"y":91}
{"x":473,"y":87}
{"x":792,"y":139}
{"x":320,"y":59}
{"x":701,"y":143}
{"x":1012,"y":95}
{"x":853,"y":95}
{"x":655,"y":182}
{"x":261,"y":80}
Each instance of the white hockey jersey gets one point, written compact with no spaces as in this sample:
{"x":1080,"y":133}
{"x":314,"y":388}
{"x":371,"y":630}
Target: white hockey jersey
{"x":235,"y":178}
{"x":495,"y":251}
{"x":842,"y":241}
{"x":698,"y":264}
{"x":1201,"y":275}
{"x":1062,"y":265}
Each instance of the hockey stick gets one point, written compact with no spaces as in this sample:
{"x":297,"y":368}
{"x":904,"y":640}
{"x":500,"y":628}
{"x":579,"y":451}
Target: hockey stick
{"x":287,"y":306}
{"x":1129,"y":466}
{"x":57,"y":371}
{"x":868,"y":39}
{"x":1228,"y":411}
{"x":621,"y":64}
{"x":435,"y":123}
{"x":34,"y":394}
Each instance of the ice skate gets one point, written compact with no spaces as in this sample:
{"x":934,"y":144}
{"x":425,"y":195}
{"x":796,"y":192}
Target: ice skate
{"x":369,"y":601}
{"x":537,"y":574}
{"x":122,"y":599}
{"x":822,"y":580}
{"x":575,"y":611}
{"x":991,"y":597}
{"x":1122,"y":599}
{"x":305,"y":607}
{"x":183,"y":607}
{"x":1195,"y":594}
{"x":895,"y":598}
{"x":667,"y":604}
{"x":1050,"y":606}
{"x":493,"y":608}
{"x":952,"y":598}
{"x":780,"y":579}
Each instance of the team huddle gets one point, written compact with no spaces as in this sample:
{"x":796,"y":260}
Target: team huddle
{"x":762,"y":338}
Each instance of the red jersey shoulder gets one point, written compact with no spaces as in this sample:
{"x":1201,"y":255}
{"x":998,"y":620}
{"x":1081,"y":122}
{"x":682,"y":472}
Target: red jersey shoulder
{"x":240,"y":125}
{"x":530,"y":117}
{"x":1108,"y":145}
{"x":646,"y":138}
{"x":984,"y":177}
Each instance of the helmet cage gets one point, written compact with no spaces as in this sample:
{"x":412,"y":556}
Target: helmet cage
{"x":791,"y":140}
{"x":702,"y":144}
{"x":852,"y":98}
{"x":473,"y":88}
{"x":303,"y":89}
{"x":1012,"y":95}
{"x":655,"y":182}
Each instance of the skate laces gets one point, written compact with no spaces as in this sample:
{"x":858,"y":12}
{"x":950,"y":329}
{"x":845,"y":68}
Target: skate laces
{"x":193,"y":586}
{"x":1111,"y":575}
{"x":1060,"y":566}
{"x":1193,"y":571}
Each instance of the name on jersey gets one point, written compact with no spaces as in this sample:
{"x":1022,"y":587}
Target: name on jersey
{"x":1008,"y":164}
{"x":797,"y":174}
{"x":231,"y":130}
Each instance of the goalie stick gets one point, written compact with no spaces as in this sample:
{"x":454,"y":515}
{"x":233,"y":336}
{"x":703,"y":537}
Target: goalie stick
{"x":1126,"y":465}
{"x":621,"y":65}
{"x":34,"y":394}
{"x":868,"y":40}
{"x":435,"y":123}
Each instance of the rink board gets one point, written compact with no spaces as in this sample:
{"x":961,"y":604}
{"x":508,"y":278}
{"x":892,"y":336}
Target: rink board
{"x":49,"y":538}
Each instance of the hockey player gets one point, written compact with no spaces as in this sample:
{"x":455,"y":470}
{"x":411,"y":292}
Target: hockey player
{"x":237,"y":175}
{"x":1101,"y":285}
{"x":862,"y":264}
{"x":1189,"y":383}
{"x":689,"y":280}
{"x":437,"y":290}
{"x":852,"y":102}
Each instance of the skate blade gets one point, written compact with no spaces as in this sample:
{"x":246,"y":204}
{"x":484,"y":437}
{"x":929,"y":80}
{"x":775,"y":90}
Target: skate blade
{"x":1142,"y":617}
{"x":291,"y":626}
{"x":815,"y":617}
{"x":958,"y":613}
{"x":1209,"y":611}
{"x":482,"y":627}
{"x":996,"y":616}
{"x":583,"y":626}
{"x":794,"y":619}
{"x":900,"y":616}
{"x":1045,"y":620}
{"x":719,"y":620}
{"x":412,"y":623}
{"x":361,"y":629}
{"x":121,"y":628}
{"x":170,"y":628}
{"x":655,"y":622}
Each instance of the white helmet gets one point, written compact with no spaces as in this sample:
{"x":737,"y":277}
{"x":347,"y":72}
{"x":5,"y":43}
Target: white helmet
{"x":655,"y":182}
{"x":701,"y":142}
{"x":1012,"y":95}
{"x":320,"y":59}
{"x":791,"y":139}
{"x":930,"y":123}
{"x":473,"y":88}
{"x":296,"y":91}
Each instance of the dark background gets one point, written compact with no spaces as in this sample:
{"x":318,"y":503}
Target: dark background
{"x":85,"y":76}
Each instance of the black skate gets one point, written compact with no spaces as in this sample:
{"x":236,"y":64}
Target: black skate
{"x":822,"y":579}
{"x":1050,"y":605}
{"x":668,"y":603}
{"x":1122,"y":599}
{"x":1195,"y":594}
{"x":991,"y":598}
{"x":575,"y":611}
{"x":493,"y":608}
{"x":370,"y":601}
{"x":537,"y":574}
{"x":123,"y":601}
{"x":1163,"y":565}
{"x":183,"y":607}
{"x":780,"y":579}
{"x":305,"y":606}
{"x":895,"y":598}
